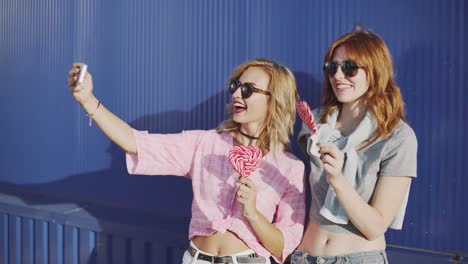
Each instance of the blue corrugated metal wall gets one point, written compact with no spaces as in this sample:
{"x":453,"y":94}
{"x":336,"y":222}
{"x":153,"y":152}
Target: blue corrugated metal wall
{"x":161,"y":65}
{"x":67,"y":233}
{"x":42,"y":242}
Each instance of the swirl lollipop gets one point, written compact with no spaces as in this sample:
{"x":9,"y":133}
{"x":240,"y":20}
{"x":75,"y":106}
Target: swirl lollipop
{"x":306,"y":115}
{"x":245,"y":160}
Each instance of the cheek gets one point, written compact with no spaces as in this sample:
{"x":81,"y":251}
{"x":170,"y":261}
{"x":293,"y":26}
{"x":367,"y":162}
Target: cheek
{"x":362,"y":81}
{"x":364,"y":86}
{"x":261,"y":108}
{"x":258,"y":102}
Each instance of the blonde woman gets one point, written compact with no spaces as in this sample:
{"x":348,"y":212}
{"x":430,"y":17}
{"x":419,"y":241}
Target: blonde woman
{"x":234,"y":220}
{"x":361,"y":179}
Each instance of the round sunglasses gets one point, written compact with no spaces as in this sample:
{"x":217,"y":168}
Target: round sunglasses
{"x":247,"y":89}
{"x":348,"y":67}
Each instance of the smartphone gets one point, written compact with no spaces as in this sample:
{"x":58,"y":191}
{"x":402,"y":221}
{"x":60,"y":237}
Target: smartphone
{"x":81,"y":73}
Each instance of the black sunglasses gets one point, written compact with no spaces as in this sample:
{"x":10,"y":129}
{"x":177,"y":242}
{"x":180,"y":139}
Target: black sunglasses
{"x":348,"y":67}
{"x":246,"y":89}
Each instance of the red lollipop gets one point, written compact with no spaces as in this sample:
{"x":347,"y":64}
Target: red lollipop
{"x":245,"y":160}
{"x":306,"y":115}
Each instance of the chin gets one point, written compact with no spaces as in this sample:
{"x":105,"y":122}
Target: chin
{"x":345,"y":99}
{"x":341,"y":100}
{"x":237,"y":119}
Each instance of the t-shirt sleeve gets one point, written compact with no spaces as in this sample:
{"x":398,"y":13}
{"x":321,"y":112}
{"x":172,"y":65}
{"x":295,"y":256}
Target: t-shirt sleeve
{"x":400,"y":154}
{"x":290,"y":214}
{"x":163,"y":154}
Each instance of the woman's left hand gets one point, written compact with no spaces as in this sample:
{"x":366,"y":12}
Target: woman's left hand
{"x":333,"y":160}
{"x":247,"y":196}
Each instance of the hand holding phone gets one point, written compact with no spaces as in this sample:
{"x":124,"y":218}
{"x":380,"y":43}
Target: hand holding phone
{"x":81,"y":74}
{"x":80,"y":82}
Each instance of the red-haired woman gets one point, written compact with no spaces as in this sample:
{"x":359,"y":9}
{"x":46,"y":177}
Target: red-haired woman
{"x":360,"y":180}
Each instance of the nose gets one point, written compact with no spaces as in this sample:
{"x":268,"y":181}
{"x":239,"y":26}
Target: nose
{"x":339,"y":73}
{"x":237,"y":93}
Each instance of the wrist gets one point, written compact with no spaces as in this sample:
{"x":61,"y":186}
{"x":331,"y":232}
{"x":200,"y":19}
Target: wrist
{"x":254,"y":217}
{"x":337,"y":182}
{"x":89,"y":104}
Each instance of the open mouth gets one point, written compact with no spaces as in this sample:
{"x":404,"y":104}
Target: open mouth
{"x":342,"y":87}
{"x":238,"y":107}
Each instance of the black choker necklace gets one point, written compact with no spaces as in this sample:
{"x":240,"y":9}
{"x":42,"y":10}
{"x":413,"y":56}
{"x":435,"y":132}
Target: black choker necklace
{"x":247,"y":136}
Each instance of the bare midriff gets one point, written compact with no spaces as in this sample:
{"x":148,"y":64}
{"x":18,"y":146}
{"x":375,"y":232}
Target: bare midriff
{"x":320,"y":242}
{"x":220,"y":244}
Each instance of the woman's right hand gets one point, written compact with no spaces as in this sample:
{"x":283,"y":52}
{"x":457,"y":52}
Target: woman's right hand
{"x":113,"y":127}
{"x":83,"y":91}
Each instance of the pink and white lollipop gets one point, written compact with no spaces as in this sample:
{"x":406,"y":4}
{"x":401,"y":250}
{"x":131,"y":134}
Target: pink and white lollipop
{"x":245,"y":160}
{"x":303,"y":109}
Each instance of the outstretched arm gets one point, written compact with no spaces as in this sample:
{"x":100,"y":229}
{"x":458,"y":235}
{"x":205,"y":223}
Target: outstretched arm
{"x":112,"y":126}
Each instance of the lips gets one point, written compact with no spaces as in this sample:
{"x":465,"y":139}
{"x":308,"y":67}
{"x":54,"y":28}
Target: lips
{"x":340,"y":87}
{"x":238,"y":110}
{"x":238,"y":107}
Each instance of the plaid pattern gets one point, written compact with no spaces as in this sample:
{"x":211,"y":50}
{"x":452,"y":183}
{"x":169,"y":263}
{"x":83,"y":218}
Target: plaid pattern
{"x":203,"y":157}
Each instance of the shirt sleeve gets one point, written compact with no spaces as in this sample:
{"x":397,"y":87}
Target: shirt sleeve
{"x":290,"y":214}
{"x":163,"y":154}
{"x":400,"y":154}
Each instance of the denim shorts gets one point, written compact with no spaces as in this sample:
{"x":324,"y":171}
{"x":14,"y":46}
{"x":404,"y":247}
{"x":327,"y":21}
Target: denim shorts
{"x":369,"y":257}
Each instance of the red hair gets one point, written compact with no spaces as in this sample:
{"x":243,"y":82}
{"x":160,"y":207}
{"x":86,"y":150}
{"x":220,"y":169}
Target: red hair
{"x":383,"y":98}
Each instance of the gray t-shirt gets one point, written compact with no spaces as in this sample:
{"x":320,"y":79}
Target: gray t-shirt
{"x":394,"y":156}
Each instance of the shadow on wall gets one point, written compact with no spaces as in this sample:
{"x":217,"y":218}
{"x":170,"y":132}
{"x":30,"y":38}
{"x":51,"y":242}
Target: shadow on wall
{"x":310,"y":90}
{"x":166,"y":198}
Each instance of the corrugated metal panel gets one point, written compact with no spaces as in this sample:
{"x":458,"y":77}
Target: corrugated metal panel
{"x":42,"y":236}
{"x":161,"y":65}
{"x":429,"y":73}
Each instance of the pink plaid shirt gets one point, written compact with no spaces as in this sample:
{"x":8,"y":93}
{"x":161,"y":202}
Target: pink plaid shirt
{"x":203,"y":157}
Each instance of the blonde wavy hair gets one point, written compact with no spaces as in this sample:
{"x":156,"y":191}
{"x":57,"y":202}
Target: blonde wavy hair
{"x":383,"y":98}
{"x":279,"y":121}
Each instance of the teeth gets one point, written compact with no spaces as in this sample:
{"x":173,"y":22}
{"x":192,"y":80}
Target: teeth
{"x":343,"y":86}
